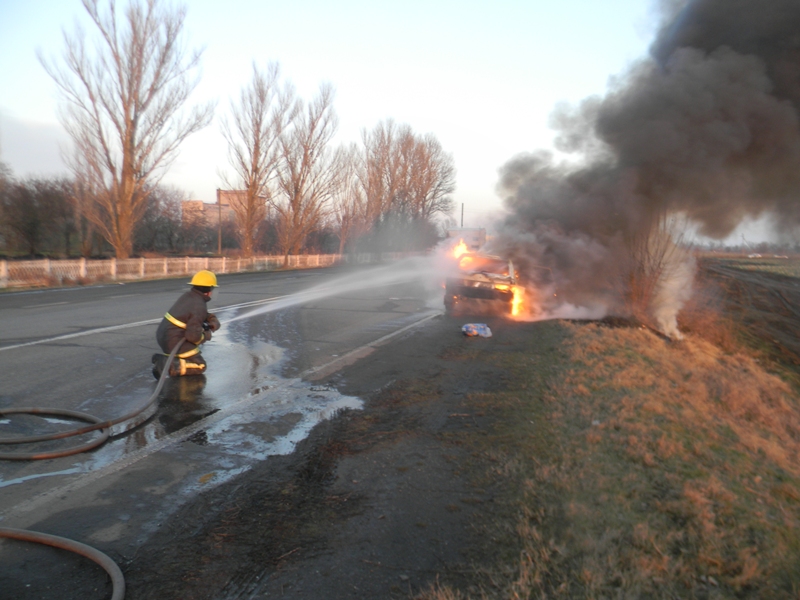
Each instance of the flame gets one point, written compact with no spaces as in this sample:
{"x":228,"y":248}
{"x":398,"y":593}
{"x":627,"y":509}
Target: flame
{"x":460,"y":248}
{"x":518,"y":301}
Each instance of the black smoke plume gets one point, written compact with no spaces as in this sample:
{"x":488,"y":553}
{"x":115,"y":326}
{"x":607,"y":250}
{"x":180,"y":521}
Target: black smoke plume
{"x":701,"y":134}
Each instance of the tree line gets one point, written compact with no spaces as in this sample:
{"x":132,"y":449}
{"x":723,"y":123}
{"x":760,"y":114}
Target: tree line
{"x":42,"y":216}
{"x":124,"y":101}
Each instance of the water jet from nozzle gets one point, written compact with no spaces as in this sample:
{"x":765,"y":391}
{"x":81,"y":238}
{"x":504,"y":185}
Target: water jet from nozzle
{"x":410,"y":270}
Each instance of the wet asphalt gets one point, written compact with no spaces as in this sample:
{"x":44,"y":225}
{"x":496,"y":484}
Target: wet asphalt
{"x":89,"y":349}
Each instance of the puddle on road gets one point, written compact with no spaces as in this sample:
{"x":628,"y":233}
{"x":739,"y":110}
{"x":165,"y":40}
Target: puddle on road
{"x":262,"y":413}
{"x":239,"y":372}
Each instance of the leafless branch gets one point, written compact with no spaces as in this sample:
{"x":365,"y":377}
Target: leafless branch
{"x":252,"y":133}
{"x":122,"y":104}
{"x":307,"y":175}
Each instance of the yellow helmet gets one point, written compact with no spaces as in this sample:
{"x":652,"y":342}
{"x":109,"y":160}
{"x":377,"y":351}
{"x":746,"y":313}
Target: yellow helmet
{"x":204,"y":279}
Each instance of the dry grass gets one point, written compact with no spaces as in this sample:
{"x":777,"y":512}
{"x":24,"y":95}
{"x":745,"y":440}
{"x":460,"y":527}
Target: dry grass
{"x":704,"y":316}
{"x":680,"y":476}
{"x":789,"y":266}
{"x":441,"y":592}
{"x":645,"y":469}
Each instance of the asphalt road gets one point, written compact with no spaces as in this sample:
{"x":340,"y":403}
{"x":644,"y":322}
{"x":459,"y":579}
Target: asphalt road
{"x":89,"y":349}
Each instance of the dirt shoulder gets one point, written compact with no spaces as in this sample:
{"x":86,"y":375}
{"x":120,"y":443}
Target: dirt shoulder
{"x":377,"y":503}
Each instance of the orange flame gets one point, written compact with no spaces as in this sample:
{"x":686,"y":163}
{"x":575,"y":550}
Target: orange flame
{"x":518,"y":301}
{"x":465,"y":262}
{"x":460,"y":249}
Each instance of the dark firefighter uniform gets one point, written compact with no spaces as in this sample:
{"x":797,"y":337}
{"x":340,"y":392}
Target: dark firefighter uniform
{"x":189,"y":323}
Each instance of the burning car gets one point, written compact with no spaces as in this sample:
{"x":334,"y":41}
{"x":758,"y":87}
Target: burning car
{"x":483,"y":278}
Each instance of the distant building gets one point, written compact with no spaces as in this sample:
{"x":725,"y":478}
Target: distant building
{"x":193,"y":212}
{"x":221,"y":209}
{"x":208,"y":214}
{"x":474,"y":238}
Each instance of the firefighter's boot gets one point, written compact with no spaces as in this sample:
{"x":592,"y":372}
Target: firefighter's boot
{"x":158,"y":360}
{"x":192,"y":366}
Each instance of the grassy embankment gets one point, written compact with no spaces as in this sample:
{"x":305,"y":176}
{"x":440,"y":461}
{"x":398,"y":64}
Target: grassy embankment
{"x":637,"y":467}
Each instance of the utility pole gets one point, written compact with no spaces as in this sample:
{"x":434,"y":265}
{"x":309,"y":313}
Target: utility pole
{"x":219,"y":224}
{"x":462,"y":215}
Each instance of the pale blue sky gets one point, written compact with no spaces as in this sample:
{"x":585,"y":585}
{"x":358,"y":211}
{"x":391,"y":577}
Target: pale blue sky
{"x":481,"y":76}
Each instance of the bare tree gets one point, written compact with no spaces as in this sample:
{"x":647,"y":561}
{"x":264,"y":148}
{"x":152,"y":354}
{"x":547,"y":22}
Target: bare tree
{"x":160,"y":226}
{"x":63,"y":225}
{"x":195,"y":236}
{"x":83,"y":197}
{"x":23,"y":217}
{"x":377,"y":174}
{"x":658,"y":272}
{"x":407,"y":179}
{"x":123,"y":103}
{"x":36,"y":212}
{"x":306,"y":174}
{"x":6,"y":176}
{"x":349,"y":199}
{"x":431,"y":179}
{"x":6,"y":180}
{"x":252,"y":133}
{"x":85,"y":205}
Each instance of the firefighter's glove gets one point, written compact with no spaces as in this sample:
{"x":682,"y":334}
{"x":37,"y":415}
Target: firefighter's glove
{"x":206,"y":336}
{"x":213,"y":322}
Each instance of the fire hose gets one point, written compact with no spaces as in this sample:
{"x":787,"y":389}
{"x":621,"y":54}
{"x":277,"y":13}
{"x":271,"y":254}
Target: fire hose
{"x":103,"y":426}
{"x":117,"y":580}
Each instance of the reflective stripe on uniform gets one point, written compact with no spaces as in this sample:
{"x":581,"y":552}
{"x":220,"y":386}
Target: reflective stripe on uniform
{"x":175,"y":321}
{"x":185,"y":366}
{"x":187,"y":354}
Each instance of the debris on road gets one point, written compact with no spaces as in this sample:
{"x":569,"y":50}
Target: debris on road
{"x":476,"y":329}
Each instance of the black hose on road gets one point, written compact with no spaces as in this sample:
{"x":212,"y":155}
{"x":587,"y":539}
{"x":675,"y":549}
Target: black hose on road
{"x":103,"y":426}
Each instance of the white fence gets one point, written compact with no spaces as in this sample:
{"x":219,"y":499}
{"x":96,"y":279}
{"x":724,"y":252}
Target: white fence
{"x":46,"y":272}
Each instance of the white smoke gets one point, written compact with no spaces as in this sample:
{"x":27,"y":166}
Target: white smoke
{"x":673,"y":290}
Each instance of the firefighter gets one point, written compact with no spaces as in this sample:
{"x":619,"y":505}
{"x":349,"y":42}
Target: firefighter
{"x":188,"y":320}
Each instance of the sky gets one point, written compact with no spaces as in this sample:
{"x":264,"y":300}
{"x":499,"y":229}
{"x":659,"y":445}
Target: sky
{"x":483,"y":77}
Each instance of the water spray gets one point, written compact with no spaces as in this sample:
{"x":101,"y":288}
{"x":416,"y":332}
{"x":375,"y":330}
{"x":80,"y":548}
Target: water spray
{"x":409,"y":270}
